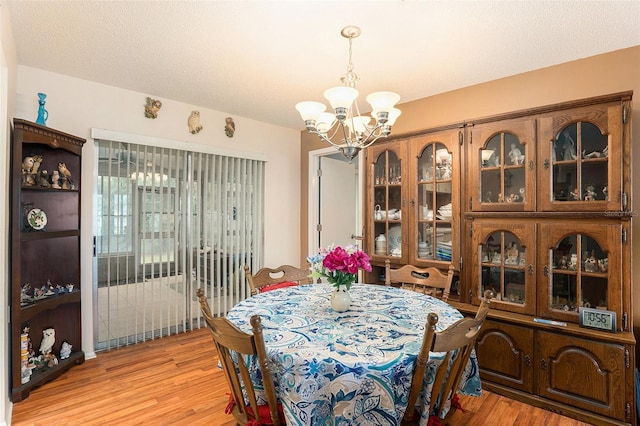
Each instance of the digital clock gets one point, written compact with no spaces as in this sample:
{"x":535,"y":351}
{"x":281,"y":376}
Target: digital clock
{"x":598,"y":318}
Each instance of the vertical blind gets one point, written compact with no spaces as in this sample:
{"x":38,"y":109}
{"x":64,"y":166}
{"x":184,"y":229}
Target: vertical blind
{"x":170,"y":221}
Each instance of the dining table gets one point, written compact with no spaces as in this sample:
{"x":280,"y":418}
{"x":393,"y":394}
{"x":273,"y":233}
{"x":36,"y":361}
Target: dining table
{"x":353,"y":367}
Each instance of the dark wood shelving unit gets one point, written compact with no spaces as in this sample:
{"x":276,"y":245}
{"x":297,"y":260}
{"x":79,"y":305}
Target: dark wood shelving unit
{"x":42,"y":257}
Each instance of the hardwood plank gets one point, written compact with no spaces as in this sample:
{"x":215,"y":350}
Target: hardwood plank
{"x":176,"y":381}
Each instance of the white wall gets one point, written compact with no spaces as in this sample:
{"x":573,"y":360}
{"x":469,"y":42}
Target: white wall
{"x":8,"y":64}
{"x":75,"y":106}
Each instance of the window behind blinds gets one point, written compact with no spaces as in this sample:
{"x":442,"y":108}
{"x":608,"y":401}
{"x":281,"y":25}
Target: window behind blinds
{"x":170,"y":221}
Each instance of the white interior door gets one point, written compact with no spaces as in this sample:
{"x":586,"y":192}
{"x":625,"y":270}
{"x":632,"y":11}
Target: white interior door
{"x":338,"y":203}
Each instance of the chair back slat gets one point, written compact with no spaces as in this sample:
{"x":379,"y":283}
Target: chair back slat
{"x":269,"y":276}
{"x":431,"y":281}
{"x":234,"y":348}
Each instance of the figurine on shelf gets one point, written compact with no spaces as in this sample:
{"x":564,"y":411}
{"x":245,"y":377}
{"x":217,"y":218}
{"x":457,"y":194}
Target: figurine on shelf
{"x":69,"y":287}
{"x":65,"y":350}
{"x":589,"y":193}
{"x":37,"y":160}
{"x":573,"y":262}
{"x":27,"y":171}
{"x":575,"y":196}
{"x":590,"y":264}
{"x":44,"y":179}
{"x":603,"y":264}
{"x":569,"y":146}
{"x":65,"y":173}
{"x":512,"y":253}
{"x":562,"y":264}
{"x":48,"y":339}
{"x":515,"y":155}
{"x":55,"y":179}
{"x":605,"y":192}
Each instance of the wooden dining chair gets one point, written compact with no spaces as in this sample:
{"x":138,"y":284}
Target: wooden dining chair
{"x":431,"y":281}
{"x":456,"y":342}
{"x":272,"y":278}
{"x":230,"y":339}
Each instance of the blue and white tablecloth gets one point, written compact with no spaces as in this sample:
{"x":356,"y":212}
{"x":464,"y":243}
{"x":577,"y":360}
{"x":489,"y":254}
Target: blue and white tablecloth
{"x":350,"y":368}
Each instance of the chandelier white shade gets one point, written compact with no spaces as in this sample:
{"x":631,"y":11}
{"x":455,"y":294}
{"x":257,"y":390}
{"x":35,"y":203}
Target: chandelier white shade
{"x":345,"y":128}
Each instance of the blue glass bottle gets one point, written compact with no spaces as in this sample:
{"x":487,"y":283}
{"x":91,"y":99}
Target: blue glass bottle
{"x":43,"y":114}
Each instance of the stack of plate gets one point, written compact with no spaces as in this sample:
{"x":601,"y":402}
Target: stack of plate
{"x":444,"y":212}
{"x":443,"y":250}
{"x":424,"y":249}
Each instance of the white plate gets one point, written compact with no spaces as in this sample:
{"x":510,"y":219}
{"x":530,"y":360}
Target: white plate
{"x":395,"y":237}
{"x":37,"y":219}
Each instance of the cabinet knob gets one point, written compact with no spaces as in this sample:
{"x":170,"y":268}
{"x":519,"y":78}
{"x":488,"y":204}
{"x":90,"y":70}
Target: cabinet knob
{"x":543,"y":364}
{"x":527,"y":360}
{"x":530,"y":268}
{"x":546,"y":270}
{"x":546,"y":163}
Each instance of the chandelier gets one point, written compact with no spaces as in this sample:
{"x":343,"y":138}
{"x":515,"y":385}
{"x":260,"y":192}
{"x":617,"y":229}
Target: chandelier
{"x":354,"y":130}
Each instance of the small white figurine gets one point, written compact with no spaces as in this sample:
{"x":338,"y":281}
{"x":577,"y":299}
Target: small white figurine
{"x":569,"y":147}
{"x":515,"y":155}
{"x":194,"y":122}
{"x":27,"y":164}
{"x":55,"y":179}
{"x":48,"y":339}
{"x":65,"y":350}
{"x":37,"y":160}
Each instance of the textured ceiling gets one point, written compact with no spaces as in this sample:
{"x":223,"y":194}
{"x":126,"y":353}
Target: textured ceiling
{"x":257,"y":59}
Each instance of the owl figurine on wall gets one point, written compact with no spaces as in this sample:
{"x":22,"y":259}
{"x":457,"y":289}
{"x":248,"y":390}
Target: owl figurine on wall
{"x":229,"y":127}
{"x":152,"y":107}
{"x":48,"y":339}
{"x":194,"y":122}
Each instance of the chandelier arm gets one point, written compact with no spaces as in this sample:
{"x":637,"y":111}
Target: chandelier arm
{"x":324,"y":137}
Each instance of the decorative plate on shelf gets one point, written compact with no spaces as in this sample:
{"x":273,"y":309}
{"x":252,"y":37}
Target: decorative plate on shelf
{"x":37,"y":219}
{"x":395,"y":237}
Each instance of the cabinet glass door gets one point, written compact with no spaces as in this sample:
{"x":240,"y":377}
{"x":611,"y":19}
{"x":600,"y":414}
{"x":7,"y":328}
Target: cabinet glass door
{"x":503,"y":177}
{"x":581,"y":157}
{"x":504,"y":257}
{"x":582,"y":270}
{"x":387,"y":202}
{"x":434,"y":203}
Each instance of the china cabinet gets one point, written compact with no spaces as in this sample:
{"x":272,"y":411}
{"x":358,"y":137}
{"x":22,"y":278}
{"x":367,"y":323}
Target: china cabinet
{"x":413,"y":201}
{"x":539,"y":211}
{"x":45,"y":255}
{"x":552,"y":242}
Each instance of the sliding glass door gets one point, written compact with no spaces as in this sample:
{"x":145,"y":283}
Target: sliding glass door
{"x":170,"y":221}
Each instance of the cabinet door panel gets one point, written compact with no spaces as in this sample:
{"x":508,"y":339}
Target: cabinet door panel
{"x":502,"y":166}
{"x":503,"y":255}
{"x":581,"y":156}
{"x":387,"y":210}
{"x":582,"y":373}
{"x":434,"y":203}
{"x":505,"y":355}
{"x":580,"y":266}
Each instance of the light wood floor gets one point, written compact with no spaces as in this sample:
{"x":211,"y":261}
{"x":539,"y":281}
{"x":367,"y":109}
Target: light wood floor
{"x":175,"y":381}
